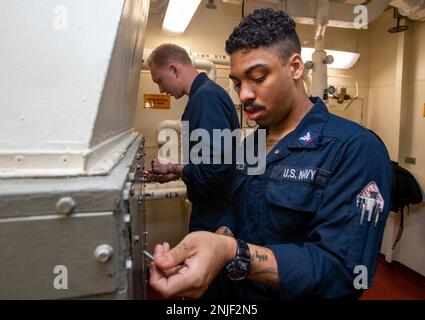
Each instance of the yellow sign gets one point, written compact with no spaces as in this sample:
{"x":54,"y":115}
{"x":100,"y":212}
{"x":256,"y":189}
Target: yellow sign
{"x":156,"y":101}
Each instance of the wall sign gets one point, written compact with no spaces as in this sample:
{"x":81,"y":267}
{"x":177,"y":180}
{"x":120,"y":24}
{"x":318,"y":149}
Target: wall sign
{"x":156,"y":101}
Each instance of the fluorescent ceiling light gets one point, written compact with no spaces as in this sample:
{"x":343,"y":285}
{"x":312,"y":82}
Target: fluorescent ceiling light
{"x":178,"y":15}
{"x":342,"y":59}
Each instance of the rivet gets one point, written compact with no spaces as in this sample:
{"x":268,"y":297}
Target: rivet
{"x":65,"y":205}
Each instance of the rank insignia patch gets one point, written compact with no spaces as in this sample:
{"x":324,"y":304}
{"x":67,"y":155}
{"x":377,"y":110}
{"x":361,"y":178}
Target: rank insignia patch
{"x":308,"y":137}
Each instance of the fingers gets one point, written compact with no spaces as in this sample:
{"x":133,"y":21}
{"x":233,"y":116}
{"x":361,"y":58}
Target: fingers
{"x":163,"y":178}
{"x":165,"y":280}
{"x":153,"y":161}
{"x":156,"y":274}
{"x":158,"y":250}
{"x":173,"y":257}
{"x":185,"y":282}
{"x":174,"y":282}
{"x":172,"y":286}
{"x":160,"y":165}
{"x":149,"y":176}
{"x":166,"y":246}
{"x":155,"y":164}
{"x":187,"y":269}
{"x":172,"y":271}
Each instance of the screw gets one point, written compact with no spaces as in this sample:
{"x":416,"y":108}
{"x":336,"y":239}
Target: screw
{"x":65,"y":205}
{"x":103,"y":253}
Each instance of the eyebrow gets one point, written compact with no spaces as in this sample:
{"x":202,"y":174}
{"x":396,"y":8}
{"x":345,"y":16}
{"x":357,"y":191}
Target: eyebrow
{"x":249,"y":70}
{"x":255,"y":66}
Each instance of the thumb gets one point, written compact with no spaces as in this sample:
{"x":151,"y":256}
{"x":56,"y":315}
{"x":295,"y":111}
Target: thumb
{"x":163,"y":160}
{"x":173,"y":257}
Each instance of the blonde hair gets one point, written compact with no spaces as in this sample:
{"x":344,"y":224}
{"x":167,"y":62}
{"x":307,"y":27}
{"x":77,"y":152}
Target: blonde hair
{"x":168,"y":52}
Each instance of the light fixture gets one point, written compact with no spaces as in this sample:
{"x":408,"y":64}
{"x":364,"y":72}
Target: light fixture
{"x":342,"y":59}
{"x":178,"y":15}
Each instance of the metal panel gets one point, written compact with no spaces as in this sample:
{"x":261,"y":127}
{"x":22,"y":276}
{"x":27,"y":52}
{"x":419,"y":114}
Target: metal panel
{"x":134,"y":207}
{"x":32,"y":247}
{"x":36,"y":234}
{"x":30,"y":197}
{"x":57,"y":128}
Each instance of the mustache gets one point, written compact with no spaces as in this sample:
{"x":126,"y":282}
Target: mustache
{"x":253,"y":106}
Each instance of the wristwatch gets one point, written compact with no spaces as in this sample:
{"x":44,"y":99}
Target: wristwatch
{"x":240,"y":266}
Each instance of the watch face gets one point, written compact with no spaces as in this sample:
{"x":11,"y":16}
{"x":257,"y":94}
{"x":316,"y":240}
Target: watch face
{"x":238,"y":270}
{"x":236,"y":274}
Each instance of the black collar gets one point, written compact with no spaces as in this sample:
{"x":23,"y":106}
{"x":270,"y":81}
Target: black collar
{"x":200,"y":79}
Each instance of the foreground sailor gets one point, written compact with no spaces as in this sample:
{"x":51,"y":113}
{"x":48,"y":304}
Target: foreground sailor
{"x":311,"y":226}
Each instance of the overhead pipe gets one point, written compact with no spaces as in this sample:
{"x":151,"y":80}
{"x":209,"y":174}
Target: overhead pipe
{"x":207,"y":66}
{"x":319,"y":72}
{"x":215,"y":58}
{"x":413,"y":9}
{"x":307,"y":80}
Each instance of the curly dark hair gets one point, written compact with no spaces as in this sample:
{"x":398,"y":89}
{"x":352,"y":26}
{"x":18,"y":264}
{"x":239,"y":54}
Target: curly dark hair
{"x":266,"y":28}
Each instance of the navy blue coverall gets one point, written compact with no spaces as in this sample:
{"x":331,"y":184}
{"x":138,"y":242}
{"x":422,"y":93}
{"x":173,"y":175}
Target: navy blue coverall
{"x":307,"y":208}
{"x":209,"y":108}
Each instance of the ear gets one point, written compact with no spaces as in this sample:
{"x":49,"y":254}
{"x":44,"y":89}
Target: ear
{"x":174,"y":68}
{"x":297,"y":66}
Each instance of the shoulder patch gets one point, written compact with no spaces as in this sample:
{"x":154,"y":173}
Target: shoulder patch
{"x":370,"y":202}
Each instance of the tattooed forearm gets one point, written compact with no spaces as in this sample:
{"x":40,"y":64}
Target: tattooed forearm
{"x":264,"y":266}
{"x":266,"y":271}
{"x":259,"y":257}
{"x":268,"y":276}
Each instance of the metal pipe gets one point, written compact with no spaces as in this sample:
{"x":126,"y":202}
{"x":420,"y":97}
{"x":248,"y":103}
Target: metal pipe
{"x":164,"y":193}
{"x":319,"y":77}
{"x":215,"y":58}
{"x":208,"y":66}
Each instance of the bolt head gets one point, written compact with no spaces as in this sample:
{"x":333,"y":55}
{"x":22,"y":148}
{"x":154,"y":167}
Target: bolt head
{"x":103,"y":253}
{"x":65,"y":205}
